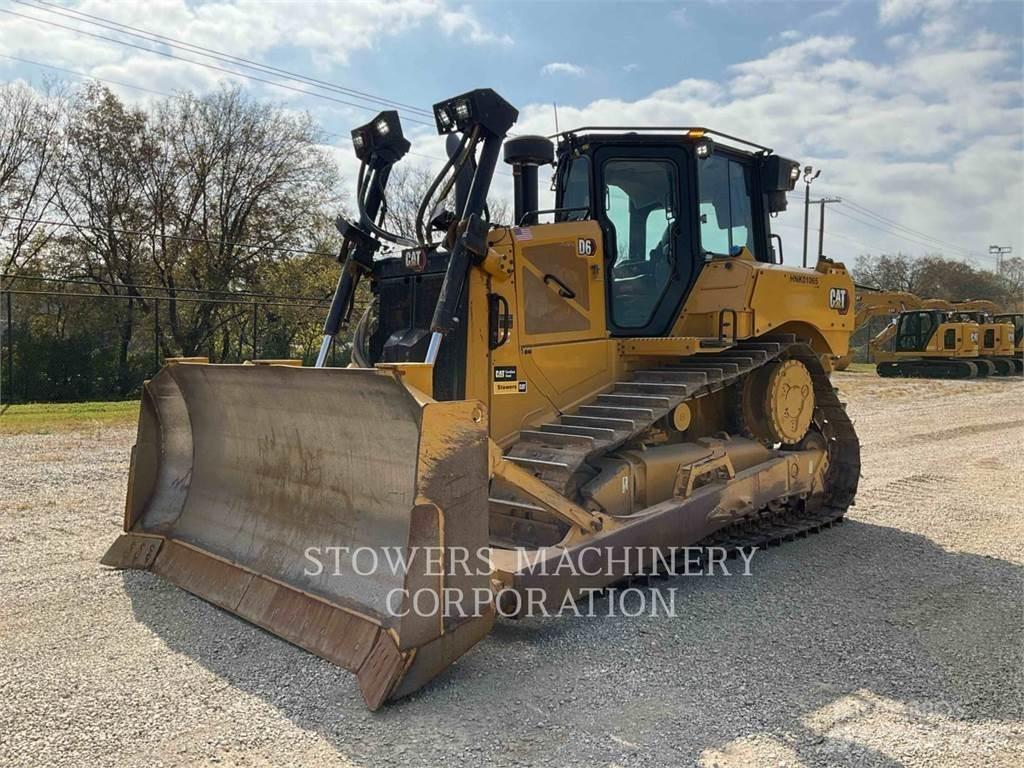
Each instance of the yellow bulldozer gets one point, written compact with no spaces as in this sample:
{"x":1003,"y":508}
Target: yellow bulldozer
{"x":536,"y":410}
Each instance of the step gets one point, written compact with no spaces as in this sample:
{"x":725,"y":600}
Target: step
{"x":617,"y":412}
{"x":600,"y":433}
{"x":745,"y":359}
{"x":668,"y":376}
{"x":771,"y":348}
{"x":630,"y":400}
{"x":778,"y":338}
{"x":555,"y":438}
{"x":723,"y":370}
{"x":537,"y":463}
{"x":652,"y":387}
{"x":619,"y":425}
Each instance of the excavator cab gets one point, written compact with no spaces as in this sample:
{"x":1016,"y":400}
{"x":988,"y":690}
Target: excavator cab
{"x":930,"y":343}
{"x":995,"y":340}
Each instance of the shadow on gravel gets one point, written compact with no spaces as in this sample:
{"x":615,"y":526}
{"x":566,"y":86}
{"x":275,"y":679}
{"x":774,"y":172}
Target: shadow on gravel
{"x":861,"y":613}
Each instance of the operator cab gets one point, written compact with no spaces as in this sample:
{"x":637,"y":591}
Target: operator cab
{"x":916,"y":329}
{"x":1017,"y":321}
{"x":668,"y":203}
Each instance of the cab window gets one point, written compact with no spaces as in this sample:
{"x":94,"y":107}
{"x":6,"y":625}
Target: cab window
{"x":915,"y":330}
{"x":575,"y":204}
{"x":726,"y":214}
{"x":639,"y":206}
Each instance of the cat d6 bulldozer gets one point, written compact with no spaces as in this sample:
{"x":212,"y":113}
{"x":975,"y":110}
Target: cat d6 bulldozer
{"x":535,"y":410}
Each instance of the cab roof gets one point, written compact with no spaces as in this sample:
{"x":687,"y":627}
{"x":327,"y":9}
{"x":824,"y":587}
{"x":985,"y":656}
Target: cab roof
{"x":653,"y":135}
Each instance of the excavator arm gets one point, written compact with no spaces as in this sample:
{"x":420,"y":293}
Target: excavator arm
{"x":876,"y":304}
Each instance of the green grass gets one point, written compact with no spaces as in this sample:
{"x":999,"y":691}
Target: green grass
{"x":45,"y":418}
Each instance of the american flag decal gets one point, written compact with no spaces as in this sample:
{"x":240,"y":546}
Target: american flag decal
{"x":522,"y":233}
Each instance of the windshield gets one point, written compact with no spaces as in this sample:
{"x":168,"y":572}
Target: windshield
{"x":726,"y":218}
{"x":575,"y":190}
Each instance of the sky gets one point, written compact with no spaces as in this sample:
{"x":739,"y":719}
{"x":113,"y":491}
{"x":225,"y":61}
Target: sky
{"x":912,"y":109}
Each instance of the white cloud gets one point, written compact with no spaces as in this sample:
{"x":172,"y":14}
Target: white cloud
{"x":328,"y":32}
{"x":630,"y":67}
{"x":895,"y":11}
{"x":680,"y":17}
{"x":789,"y":35}
{"x":563,"y":68}
{"x":464,"y":21}
{"x":932,"y":138}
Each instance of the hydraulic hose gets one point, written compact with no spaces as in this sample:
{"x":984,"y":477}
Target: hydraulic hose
{"x":457,"y":160}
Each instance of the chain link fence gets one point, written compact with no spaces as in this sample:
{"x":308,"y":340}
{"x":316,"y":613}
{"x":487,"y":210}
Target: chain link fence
{"x":75,"y":340}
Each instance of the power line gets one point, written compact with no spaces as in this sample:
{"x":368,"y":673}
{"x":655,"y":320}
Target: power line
{"x":183,"y":300}
{"x":91,"y":77}
{"x":831,"y":233}
{"x":962,"y":252}
{"x":203,"y":64}
{"x":138,"y":32}
{"x":151,"y":235}
{"x":165,"y":94}
{"x":152,"y":287}
{"x":909,"y":230}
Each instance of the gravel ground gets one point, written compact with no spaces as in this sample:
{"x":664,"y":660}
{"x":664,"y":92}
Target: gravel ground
{"x":895,"y":639}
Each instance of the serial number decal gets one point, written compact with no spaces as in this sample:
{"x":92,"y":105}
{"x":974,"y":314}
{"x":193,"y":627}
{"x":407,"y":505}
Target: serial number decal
{"x":585,"y":247}
{"x":838,"y":298}
{"x":805,"y":279}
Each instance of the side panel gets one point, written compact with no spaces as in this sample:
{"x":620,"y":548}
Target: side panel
{"x":751,"y":298}
{"x":557,"y":351}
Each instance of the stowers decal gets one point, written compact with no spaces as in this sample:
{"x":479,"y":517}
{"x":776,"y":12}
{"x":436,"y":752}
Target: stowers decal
{"x":506,"y":381}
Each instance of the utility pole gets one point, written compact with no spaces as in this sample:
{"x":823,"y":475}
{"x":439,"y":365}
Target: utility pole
{"x":821,"y":223}
{"x":999,"y":251}
{"x":809,"y":175}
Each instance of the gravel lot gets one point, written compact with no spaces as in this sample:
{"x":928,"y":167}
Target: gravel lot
{"x":895,"y":639}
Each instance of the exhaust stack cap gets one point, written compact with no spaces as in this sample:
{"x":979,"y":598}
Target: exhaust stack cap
{"x":529,"y":150}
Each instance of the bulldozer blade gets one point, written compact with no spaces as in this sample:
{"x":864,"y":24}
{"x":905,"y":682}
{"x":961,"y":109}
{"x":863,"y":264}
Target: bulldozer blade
{"x":320,"y":504}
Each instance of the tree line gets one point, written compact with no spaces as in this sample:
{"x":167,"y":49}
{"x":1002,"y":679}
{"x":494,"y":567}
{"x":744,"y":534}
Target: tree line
{"x":205,"y":224}
{"x":201,"y":200}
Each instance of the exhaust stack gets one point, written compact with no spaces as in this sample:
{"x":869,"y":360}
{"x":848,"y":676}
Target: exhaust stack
{"x":524,"y":154}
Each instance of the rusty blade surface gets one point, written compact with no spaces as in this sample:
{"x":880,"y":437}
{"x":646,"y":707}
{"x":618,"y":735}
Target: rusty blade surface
{"x":257,"y":488}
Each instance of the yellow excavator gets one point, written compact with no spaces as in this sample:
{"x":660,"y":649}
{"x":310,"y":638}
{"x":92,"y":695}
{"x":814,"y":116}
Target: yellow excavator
{"x":538,"y":410}
{"x":930,"y":343}
{"x":996,"y":338}
{"x":1016,"y":321}
{"x":870,"y":304}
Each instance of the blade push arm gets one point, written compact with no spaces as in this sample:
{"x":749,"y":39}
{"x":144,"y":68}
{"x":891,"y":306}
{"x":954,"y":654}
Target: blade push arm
{"x":379,"y":145}
{"x":489,"y":117}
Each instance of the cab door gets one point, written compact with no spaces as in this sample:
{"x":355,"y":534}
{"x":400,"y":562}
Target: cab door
{"x":649,"y":259}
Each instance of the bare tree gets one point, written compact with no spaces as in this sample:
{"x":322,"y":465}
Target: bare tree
{"x":30,"y":135}
{"x":406,"y":188}
{"x":100,"y":195}
{"x":232,"y":185}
